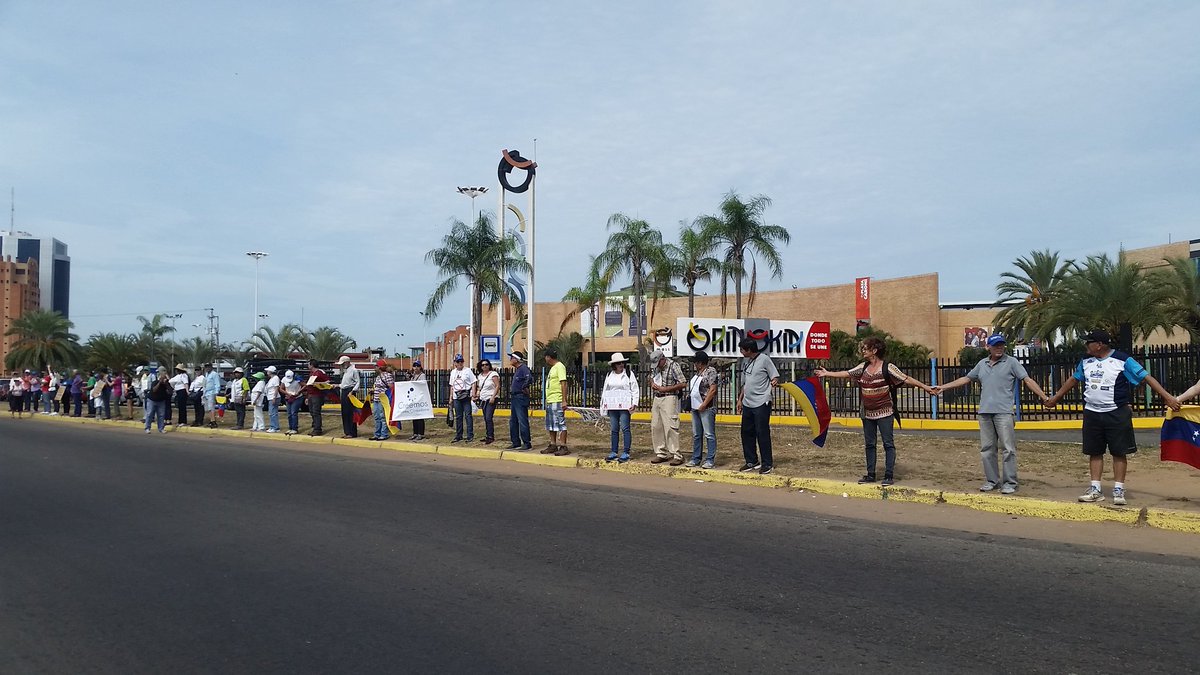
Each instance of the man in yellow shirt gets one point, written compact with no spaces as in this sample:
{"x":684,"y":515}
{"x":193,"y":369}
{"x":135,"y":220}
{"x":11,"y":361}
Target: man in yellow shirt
{"x":556,"y":395}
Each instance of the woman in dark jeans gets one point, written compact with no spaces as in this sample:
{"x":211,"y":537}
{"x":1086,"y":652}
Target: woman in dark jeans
{"x":487,"y":392}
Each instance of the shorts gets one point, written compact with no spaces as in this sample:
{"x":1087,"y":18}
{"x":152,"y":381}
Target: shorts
{"x":556,"y":420}
{"x":1112,"y":431}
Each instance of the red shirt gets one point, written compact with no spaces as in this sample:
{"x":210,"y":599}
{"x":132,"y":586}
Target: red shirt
{"x":321,"y":377}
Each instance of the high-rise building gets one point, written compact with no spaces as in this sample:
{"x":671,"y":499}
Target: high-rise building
{"x":19,"y":287}
{"x":54,"y":266}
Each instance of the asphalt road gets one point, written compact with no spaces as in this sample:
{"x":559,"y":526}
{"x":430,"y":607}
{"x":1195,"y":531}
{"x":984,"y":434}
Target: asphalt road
{"x":127,"y":553}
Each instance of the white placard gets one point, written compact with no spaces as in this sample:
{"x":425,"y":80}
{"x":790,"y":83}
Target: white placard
{"x":616,"y":399}
{"x":410,"y":401}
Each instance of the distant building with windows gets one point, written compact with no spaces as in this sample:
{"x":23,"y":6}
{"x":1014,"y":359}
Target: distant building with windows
{"x":53,"y":265}
{"x":19,"y":291}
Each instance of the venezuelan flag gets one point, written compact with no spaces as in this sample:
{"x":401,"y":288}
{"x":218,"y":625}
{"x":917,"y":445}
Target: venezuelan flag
{"x":386,"y":400}
{"x":1180,"y":440}
{"x":362,"y":409}
{"x":810,"y":396}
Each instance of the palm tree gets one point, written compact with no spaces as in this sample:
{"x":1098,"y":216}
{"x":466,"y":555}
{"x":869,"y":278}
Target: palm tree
{"x":690,"y":260}
{"x":325,"y":343}
{"x":740,"y":232}
{"x":592,"y":296}
{"x":568,"y":345}
{"x":637,"y":249}
{"x":1182,"y":283}
{"x":276,"y":345}
{"x":152,"y":333}
{"x":114,"y":351}
{"x":196,"y":350}
{"x":44,"y":338}
{"x":1114,"y":296}
{"x":475,"y":255}
{"x":1029,"y":295}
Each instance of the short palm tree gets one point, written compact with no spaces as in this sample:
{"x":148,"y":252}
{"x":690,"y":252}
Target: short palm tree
{"x":1029,"y":295}
{"x":1182,"y":283}
{"x":325,"y":343}
{"x":153,"y":335}
{"x":635,"y":248}
{"x":275,"y":344}
{"x":1114,"y":296}
{"x":739,"y":233}
{"x":44,"y":338}
{"x":114,"y":351}
{"x":592,"y":296}
{"x":690,"y":260}
{"x":477,"y":256}
{"x":197,"y":351}
{"x":568,"y":345}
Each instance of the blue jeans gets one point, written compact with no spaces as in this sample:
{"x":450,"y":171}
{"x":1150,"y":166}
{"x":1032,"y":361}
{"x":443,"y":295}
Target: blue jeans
{"x":273,"y":412}
{"x":884,"y":428}
{"x":47,"y":399}
{"x":156,"y":410}
{"x":618,"y":422}
{"x":293,"y":413}
{"x":704,"y":428}
{"x":381,"y":422}
{"x":77,"y":397}
{"x":489,"y":428}
{"x":462,"y":414}
{"x":518,"y":422}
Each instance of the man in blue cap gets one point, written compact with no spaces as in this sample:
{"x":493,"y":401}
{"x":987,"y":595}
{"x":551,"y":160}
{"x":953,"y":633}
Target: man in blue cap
{"x":997,"y":376}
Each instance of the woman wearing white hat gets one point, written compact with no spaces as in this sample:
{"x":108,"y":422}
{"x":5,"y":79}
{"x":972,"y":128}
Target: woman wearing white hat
{"x":619,"y":398}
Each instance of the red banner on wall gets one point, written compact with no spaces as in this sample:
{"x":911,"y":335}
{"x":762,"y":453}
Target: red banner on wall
{"x":862,"y":298}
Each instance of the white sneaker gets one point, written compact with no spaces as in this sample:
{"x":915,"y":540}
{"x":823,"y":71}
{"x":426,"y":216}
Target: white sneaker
{"x":1092,"y":495}
{"x":1118,"y":496}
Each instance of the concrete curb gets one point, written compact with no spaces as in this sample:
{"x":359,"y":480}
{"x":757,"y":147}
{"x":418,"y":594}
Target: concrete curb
{"x":1165,"y":519}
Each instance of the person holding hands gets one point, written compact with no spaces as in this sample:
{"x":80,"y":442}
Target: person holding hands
{"x":619,"y":398}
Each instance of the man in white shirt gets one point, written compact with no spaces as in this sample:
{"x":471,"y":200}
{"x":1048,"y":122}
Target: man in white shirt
{"x":179,"y":385}
{"x":256,"y":400}
{"x":196,"y":397}
{"x":272,"y":393}
{"x":348,"y":385}
{"x":462,"y":386}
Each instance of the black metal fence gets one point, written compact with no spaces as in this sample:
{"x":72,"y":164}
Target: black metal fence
{"x":1176,"y":367}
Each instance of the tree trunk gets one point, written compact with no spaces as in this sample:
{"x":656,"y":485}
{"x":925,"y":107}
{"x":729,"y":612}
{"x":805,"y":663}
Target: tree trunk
{"x":737,"y":287}
{"x":476,"y":319}
{"x":692,"y":299}
{"x":637,"y":310}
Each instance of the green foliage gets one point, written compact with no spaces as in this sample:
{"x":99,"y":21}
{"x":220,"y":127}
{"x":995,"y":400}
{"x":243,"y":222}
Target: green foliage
{"x":637,"y":249}
{"x":740,"y":232}
{"x":690,"y":261}
{"x":568,"y":345}
{"x":968,"y":356}
{"x":1032,"y":294}
{"x":844,"y":347}
{"x":1182,"y":289}
{"x":325,"y":343}
{"x":275,"y":344}
{"x":152,"y":337}
{"x":1116,"y":296}
{"x":114,"y":351}
{"x":197,"y":351}
{"x":44,"y":338}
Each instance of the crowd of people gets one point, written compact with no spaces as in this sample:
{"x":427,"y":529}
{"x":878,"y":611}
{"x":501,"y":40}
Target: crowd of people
{"x":1106,"y":374}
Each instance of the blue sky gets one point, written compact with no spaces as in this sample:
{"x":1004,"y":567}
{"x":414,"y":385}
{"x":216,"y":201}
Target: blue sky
{"x":163,"y":140}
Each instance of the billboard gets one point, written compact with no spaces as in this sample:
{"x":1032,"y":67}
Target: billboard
{"x":784,"y":339}
{"x":862,"y":299}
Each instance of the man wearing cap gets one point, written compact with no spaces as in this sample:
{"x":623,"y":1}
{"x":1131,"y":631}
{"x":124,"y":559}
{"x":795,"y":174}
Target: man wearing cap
{"x":348,"y":385}
{"x":212,"y":387}
{"x":462,"y":390}
{"x":316,"y":396}
{"x":518,"y":419}
{"x":179,"y":387}
{"x":1108,"y":377}
{"x":556,"y":395}
{"x":384,"y":382}
{"x":272,"y":393}
{"x":997,"y":376}
{"x":257,"y":398}
{"x":239,"y":391}
{"x":666,"y":381}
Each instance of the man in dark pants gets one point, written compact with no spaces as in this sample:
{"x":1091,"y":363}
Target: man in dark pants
{"x":316,"y":396}
{"x":754,"y":404}
{"x":179,"y":384}
{"x":518,"y":420}
{"x":347,"y":386}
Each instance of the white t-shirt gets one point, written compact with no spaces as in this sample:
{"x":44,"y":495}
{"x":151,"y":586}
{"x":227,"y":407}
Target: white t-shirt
{"x":694,"y":387}
{"x":256,"y":394}
{"x":461,"y":380}
{"x":180,"y":382}
{"x":273,"y":388}
{"x":488,"y":384}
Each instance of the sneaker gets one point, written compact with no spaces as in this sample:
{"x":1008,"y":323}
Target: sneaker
{"x":678,"y":461}
{"x":561,"y":451}
{"x":622,"y":459}
{"x":1008,"y":489}
{"x":612,"y":456}
{"x":887,"y":480}
{"x":988,"y":487}
{"x":766,"y":470}
{"x":706,"y":465}
{"x":420,"y":437}
{"x":659,"y":460}
{"x":147,"y":431}
{"x":457,"y":440}
{"x":1119,"y":496}
{"x":1092,"y":495}
{"x":748,"y":467}
{"x":866,"y":479}
{"x":549,"y":449}
{"x":692,"y":464}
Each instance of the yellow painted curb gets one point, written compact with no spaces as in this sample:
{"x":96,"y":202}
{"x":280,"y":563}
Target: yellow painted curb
{"x":476,"y":453}
{"x":1177,"y":521}
{"x":357,"y":443}
{"x":305,"y":438}
{"x":731,"y":477}
{"x":409,"y":446}
{"x":535,"y":458}
{"x":899,"y":493}
{"x":1042,"y":508}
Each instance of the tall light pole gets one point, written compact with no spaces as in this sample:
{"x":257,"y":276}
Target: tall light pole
{"x":258,"y":256}
{"x":398,"y":342}
{"x":472,"y":192}
{"x":172,"y":317}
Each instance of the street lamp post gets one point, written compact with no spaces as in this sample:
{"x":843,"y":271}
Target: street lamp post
{"x":398,"y":343}
{"x":258,"y":256}
{"x":172,"y":317}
